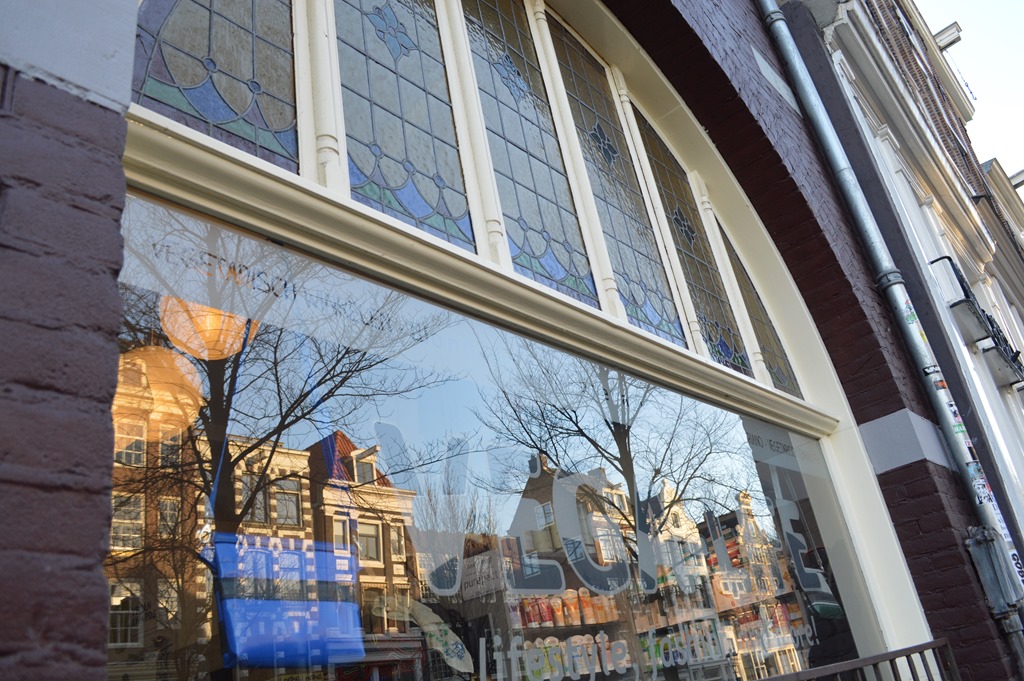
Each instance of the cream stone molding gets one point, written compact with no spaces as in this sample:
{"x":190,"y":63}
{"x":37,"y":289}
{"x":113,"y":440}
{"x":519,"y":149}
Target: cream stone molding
{"x":171,"y":162}
{"x":327,"y":113}
{"x":482,"y":187}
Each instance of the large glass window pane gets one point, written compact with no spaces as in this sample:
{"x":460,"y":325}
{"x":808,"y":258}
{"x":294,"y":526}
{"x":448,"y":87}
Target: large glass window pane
{"x":629,"y":235}
{"x":402,"y":151}
{"x":224,"y":68}
{"x":543,"y":230}
{"x":521,"y":493}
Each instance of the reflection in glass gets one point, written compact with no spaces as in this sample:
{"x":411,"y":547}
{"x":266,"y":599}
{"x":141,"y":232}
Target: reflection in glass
{"x":224,"y":69}
{"x":543,"y":230}
{"x":639,"y":273}
{"x":402,"y":152}
{"x":372,"y":487}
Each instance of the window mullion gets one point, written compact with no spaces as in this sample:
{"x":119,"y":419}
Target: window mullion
{"x":729,"y":282}
{"x":318,"y":81}
{"x":481,"y":186}
{"x":659,"y":221}
{"x":575,"y":166}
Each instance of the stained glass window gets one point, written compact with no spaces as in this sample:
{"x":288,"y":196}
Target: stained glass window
{"x":714,"y":312}
{"x":402,"y":152}
{"x":543,"y":230}
{"x":222,"y":68}
{"x":643,"y":285}
{"x":774,"y":355}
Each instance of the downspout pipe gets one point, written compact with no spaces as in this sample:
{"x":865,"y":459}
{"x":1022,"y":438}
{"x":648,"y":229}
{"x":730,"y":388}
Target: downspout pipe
{"x":890,"y":283}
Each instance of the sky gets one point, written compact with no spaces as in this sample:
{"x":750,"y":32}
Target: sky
{"x":988,"y":57}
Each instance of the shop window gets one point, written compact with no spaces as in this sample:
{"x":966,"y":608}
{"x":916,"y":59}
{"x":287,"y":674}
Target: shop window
{"x":634,"y":492}
{"x":129,"y":441}
{"x":127,"y":525}
{"x":368,"y":539}
{"x":224,"y":69}
{"x":125,"y":614}
{"x":287,"y":502}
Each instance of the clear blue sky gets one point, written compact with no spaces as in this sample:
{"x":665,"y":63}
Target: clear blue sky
{"x":989,"y":56}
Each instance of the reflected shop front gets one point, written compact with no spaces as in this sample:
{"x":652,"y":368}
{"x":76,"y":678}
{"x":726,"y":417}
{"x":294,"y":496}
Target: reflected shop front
{"x":320,"y":478}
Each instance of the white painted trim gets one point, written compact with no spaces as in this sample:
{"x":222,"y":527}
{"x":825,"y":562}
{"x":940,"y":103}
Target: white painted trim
{"x":471,"y":136}
{"x":168,"y":160}
{"x":575,"y":165}
{"x":328,"y":144}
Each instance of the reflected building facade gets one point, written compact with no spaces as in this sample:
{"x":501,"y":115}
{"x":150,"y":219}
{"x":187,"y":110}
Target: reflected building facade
{"x":480,"y":340}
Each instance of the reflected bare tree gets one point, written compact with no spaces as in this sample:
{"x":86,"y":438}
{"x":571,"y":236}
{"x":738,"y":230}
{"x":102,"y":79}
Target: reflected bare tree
{"x":581,"y":415}
{"x":315,"y":351}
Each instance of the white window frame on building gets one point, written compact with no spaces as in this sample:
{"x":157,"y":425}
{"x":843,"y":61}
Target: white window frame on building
{"x":125,"y":624}
{"x":128,"y":526}
{"x":314,"y":213}
{"x":377,"y":539}
{"x":130,"y":440}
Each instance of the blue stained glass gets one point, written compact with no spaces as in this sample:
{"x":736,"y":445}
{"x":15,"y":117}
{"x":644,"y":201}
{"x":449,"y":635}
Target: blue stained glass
{"x":772,"y":351}
{"x":543,"y":230}
{"x":226,"y":71}
{"x":639,"y":272}
{"x":402,"y":149}
{"x":510,"y":76}
{"x":714,"y":312}
{"x":391,"y":31}
{"x":604,"y":145}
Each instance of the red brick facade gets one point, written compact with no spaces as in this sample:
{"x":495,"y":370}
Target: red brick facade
{"x":704,"y":50}
{"x":61,"y":194}
{"x":931,"y":517}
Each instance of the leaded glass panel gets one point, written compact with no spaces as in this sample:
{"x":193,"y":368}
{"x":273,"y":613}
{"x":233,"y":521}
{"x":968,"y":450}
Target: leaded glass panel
{"x":543,"y":229}
{"x":222,"y":68}
{"x":402,"y":151}
{"x":774,"y":355}
{"x":714,"y":312}
{"x":643,"y":284}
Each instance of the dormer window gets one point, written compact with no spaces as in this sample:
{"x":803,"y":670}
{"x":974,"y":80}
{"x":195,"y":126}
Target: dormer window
{"x":365,"y":472}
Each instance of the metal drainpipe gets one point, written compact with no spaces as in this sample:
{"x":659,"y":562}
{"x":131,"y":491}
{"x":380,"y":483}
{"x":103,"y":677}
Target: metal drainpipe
{"x":890,"y":282}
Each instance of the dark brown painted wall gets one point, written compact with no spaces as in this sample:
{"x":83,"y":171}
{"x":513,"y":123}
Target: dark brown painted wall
{"x":61,"y":194}
{"x":704,"y":49}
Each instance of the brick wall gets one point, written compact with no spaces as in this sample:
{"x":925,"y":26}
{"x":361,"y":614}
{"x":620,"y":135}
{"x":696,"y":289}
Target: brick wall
{"x":931,"y":517}
{"x":704,"y":49}
{"x":61,"y":194}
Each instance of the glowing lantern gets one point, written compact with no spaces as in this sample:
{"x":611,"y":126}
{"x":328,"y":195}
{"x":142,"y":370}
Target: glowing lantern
{"x":174,"y":386}
{"x":201,"y":331}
